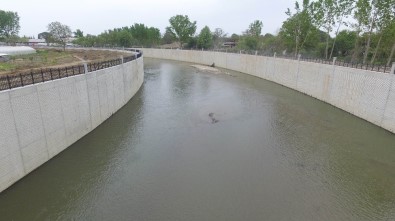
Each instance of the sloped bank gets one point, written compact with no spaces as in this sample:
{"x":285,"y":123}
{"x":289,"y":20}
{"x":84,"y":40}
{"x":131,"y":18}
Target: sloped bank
{"x":367,"y":94}
{"x":41,"y":120}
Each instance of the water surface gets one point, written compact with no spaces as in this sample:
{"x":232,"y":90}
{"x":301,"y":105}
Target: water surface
{"x":202,"y":146}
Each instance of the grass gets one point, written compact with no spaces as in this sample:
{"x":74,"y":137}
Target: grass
{"x":44,"y":58}
{"x":6,"y":66}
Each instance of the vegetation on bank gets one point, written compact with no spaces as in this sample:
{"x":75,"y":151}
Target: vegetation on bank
{"x":359,"y":31}
{"x":45,"y":58}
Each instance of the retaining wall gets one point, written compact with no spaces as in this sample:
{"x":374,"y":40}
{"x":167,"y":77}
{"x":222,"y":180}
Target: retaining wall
{"x":39,"y":121}
{"x":367,"y":94}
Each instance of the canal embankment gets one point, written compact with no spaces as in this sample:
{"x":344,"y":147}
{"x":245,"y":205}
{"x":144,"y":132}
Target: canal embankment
{"x":40,"y":120}
{"x":367,"y":94}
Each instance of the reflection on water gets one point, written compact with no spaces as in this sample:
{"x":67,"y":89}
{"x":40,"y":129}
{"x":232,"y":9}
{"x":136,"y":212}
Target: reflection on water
{"x":271,"y":154}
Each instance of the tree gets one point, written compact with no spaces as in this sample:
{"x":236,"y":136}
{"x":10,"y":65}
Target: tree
{"x":142,"y":35}
{"x":153,"y":37}
{"x":234,"y":37}
{"x":9,"y":24}
{"x":389,"y":40}
{"x":218,"y":37}
{"x":60,"y":33}
{"x":299,"y":30}
{"x":182,"y":28}
{"x":385,"y":18}
{"x":205,"y":38}
{"x":78,"y":33}
{"x":45,"y":35}
{"x":343,"y":11}
{"x":168,"y":37}
{"x":255,"y":28}
{"x":124,"y":38}
{"x":325,"y":13}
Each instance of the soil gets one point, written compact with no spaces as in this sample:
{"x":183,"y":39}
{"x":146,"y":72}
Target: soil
{"x":51,"y":58}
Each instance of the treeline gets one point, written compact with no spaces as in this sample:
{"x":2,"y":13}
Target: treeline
{"x":353,"y":30}
{"x":359,"y":31}
{"x":136,"y":35}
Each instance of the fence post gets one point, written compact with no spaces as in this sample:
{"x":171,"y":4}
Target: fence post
{"x":42,"y":75}
{"x":121,"y":59}
{"x":393,"y":68}
{"x":86,"y":68}
{"x":299,"y":55}
{"x":275,"y":53}
{"x":31,"y":74}
{"x":334,"y":60}
{"x":9,"y":83}
{"x":20,"y":76}
{"x":256,"y":53}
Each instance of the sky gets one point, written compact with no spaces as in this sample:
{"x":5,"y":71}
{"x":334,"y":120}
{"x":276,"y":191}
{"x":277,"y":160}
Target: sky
{"x":93,"y":17}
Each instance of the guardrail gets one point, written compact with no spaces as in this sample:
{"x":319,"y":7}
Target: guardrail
{"x":370,"y":67}
{"x":42,"y":75}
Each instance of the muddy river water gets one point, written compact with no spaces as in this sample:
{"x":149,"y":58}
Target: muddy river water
{"x":193,"y":145}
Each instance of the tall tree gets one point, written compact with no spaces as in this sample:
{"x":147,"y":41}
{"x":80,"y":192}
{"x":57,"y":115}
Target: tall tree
{"x":153,"y":37}
{"x":385,"y":17}
{"x":298,"y":28}
{"x":205,"y":38}
{"x":78,"y":33}
{"x":325,"y":17}
{"x":182,"y":28}
{"x":9,"y":24}
{"x":218,"y":37}
{"x":168,"y":37}
{"x":389,"y":38}
{"x":345,"y":42}
{"x":59,"y":33}
{"x":255,"y":28}
{"x":343,"y":11}
{"x":366,"y":13}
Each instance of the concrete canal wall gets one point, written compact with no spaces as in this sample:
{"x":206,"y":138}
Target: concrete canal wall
{"x":367,"y":94}
{"x":41,"y":120}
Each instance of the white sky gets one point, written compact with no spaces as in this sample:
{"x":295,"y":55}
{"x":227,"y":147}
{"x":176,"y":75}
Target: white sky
{"x":93,"y":17}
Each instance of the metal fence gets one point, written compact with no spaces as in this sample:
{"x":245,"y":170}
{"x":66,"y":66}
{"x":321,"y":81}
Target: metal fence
{"x":49,"y":74}
{"x":370,"y":67}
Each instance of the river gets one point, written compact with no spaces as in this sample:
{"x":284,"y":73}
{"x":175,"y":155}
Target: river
{"x":193,"y":145}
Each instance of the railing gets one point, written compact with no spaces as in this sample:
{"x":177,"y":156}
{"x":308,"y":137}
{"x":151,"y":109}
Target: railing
{"x":371,"y":67}
{"x":49,"y":74}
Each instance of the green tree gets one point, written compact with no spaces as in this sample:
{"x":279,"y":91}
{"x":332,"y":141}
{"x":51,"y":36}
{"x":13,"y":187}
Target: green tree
{"x":255,"y":28}
{"x":9,"y":24}
{"x":59,"y":33}
{"x":218,"y":37}
{"x":385,"y":18}
{"x":205,"y":38}
{"x":298,"y":31}
{"x":235,"y":37}
{"x":168,"y":37}
{"x":78,"y":33}
{"x":182,"y":28}
{"x":345,"y":42}
{"x":139,"y":33}
{"x":389,"y":40}
{"x":123,"y":38}
{"x":343,"y":11}
{"x":144,"y":36}
{"x":325,"y":14}
{"x":366,"y":15}
{"x":153,"y":37}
